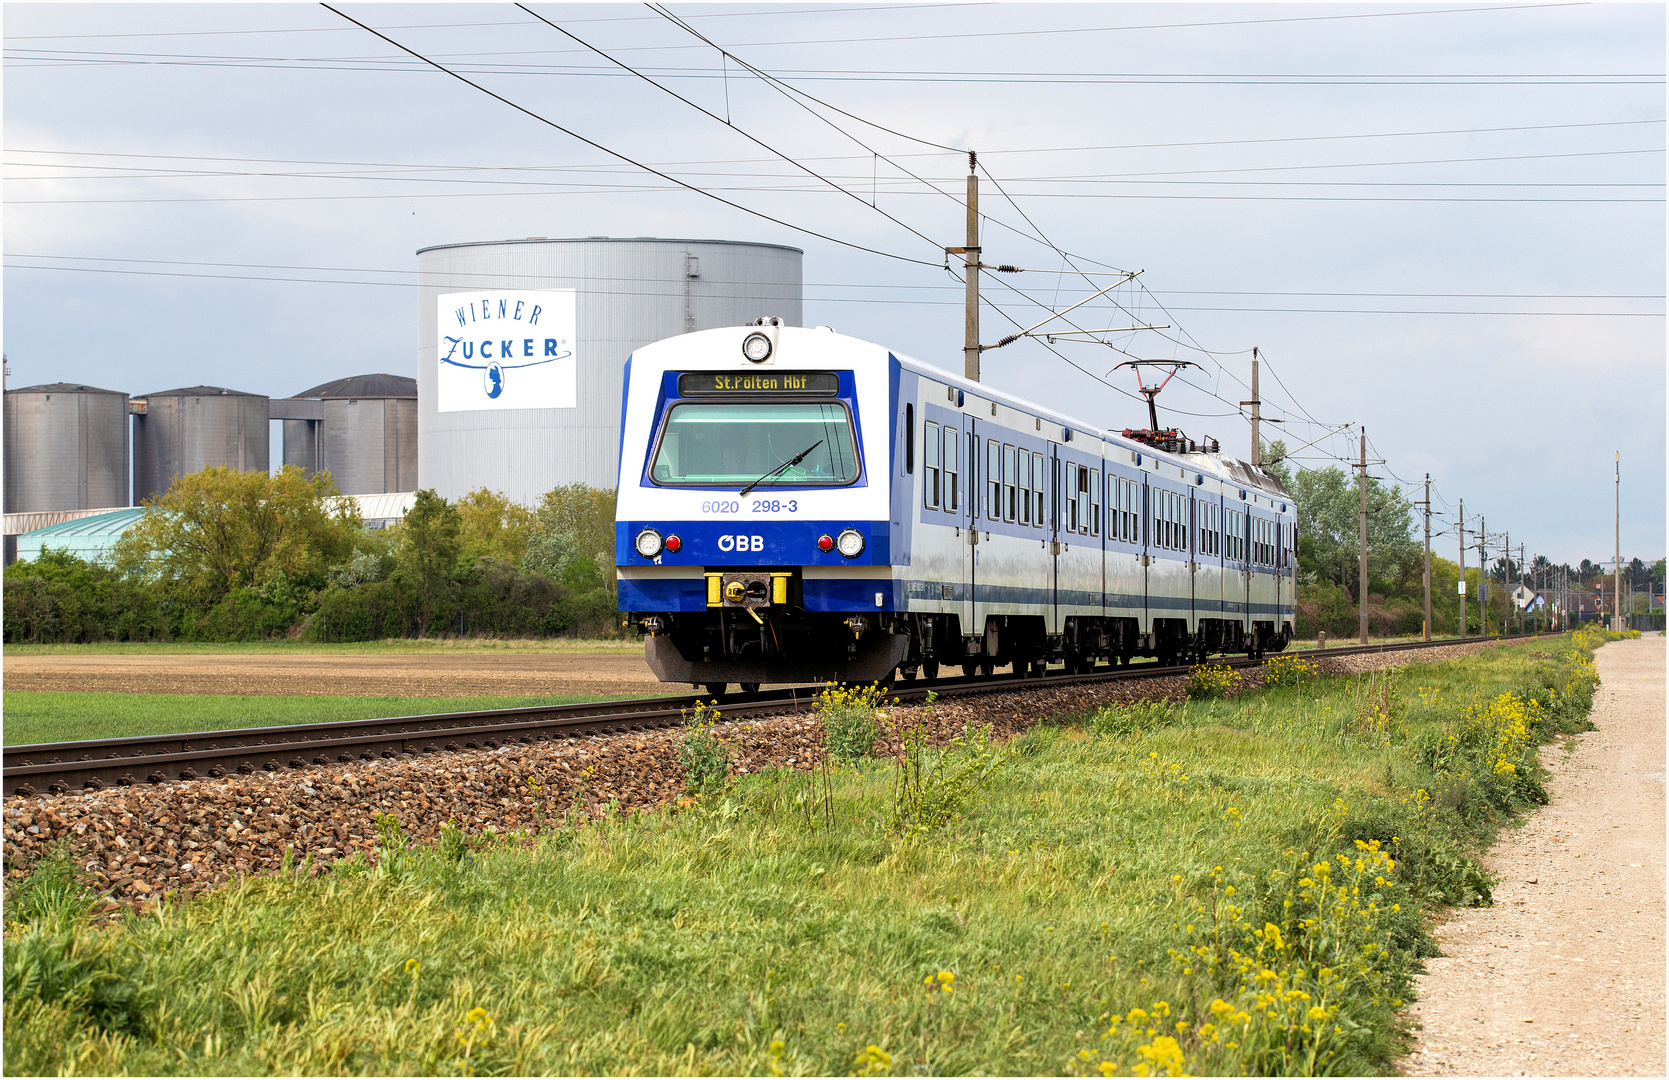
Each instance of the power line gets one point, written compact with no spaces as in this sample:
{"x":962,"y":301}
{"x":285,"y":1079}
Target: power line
{"x":830,"y":300}
{"x":894,"y":286}
{"x":472,"y":25}
{"x":62,"y":58}
{"x":849,"y":157}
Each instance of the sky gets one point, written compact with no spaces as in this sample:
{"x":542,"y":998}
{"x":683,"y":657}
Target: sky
{"x":1444,"y":223}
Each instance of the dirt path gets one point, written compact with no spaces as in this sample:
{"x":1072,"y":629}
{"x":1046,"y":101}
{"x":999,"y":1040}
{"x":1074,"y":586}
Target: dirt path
{"x":1565,"y":974}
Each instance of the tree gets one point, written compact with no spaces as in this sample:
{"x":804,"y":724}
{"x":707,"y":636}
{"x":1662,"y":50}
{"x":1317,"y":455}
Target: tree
{"x":490,"y":526}
{"x":220,"y":530}
{"x":575,"y":537}
{"x":428,"y":553}
{"x":1329,"y":507}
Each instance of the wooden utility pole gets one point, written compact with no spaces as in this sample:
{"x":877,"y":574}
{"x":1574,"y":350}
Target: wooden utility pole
{"x":1362,"y":538}
{"x":1426,"y":633}
{"x":970,"y":270}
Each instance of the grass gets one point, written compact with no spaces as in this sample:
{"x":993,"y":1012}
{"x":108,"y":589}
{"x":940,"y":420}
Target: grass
{"x":560,"y":646}
{"x":1166,"y":898}
{"x":62,"y":716}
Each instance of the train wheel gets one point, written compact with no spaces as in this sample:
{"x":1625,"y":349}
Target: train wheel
{"x":930,"y":668}
{"x":749,"y":687}
{"x":987,"y":669}
{"x":715,"y":689}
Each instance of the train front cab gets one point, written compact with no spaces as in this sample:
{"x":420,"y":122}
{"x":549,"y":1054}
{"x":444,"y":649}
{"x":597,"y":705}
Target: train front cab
{"x":741,"y":568}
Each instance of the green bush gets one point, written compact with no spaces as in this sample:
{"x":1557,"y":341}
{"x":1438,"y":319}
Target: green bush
{"x":63,"y":599}
{"x":706,"y":760}
{"x":1133,"y":718}
{"x":848,"y":717}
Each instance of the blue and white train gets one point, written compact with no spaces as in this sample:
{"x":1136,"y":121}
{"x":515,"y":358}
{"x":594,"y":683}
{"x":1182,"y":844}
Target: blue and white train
{"x":796,"y":505}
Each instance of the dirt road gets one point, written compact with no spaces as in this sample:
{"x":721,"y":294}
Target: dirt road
{"x":1565,"y":974}
{"x":404,"y":674}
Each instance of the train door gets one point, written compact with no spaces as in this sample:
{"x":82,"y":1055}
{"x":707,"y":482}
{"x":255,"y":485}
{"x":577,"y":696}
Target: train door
{"x":1052,"y":522}
{"x":1144,"y":503}
{"x":968,"y":521}
{"x":1190,"y":526}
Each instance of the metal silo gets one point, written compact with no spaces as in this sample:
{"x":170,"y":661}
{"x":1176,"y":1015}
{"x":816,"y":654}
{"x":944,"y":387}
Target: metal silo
{"x":522,"y":345}
{"x":66,"y":448}
{"x":364,"y":432}
{"x":187,"y":430}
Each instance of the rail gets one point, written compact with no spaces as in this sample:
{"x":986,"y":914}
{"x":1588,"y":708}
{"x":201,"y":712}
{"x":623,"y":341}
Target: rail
{"x":96,"y":764}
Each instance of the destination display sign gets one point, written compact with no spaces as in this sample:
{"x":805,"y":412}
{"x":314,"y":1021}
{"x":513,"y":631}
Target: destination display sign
{"x":771,"y":383}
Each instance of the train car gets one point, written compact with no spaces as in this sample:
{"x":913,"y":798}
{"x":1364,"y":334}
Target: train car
{"x":796,"y":505}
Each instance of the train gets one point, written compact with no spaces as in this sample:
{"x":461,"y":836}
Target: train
{"x":797,"y":506}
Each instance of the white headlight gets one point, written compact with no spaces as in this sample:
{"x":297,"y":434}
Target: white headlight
{"x":649,"y":543}
{"x":850,"y":543}
{"x":757,"y":347}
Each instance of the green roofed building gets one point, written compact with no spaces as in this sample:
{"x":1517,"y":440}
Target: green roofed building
{"x":89,"y":538}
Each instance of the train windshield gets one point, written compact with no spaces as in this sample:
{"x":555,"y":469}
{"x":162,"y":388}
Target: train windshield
{"x":724,"y":443}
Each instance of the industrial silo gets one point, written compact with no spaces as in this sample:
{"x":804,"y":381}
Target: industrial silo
{"x":363,"y":429}
{"x":66,"y":448}
{"x":522,"y":345}
{"x":187,"y":430}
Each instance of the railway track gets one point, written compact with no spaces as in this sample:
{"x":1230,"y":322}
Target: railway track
{"x":99,"y":763}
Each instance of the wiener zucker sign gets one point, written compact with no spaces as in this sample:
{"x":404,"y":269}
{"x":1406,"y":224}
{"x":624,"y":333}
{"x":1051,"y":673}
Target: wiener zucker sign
{"x":506,"y":349}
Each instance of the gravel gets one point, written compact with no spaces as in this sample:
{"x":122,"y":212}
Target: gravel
{"x":139,"y":843}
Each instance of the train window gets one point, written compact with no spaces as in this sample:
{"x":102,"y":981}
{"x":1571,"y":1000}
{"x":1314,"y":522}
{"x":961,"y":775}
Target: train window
{"x":930,"y":464}
{"x":953,"y":451}
{"x":1038,"y":518}
{"x":717,"y":444}
{"x":1008,"y":483}
{"x":1095,"y":502}
{"x":1023,"y":477}
{"x":994,"y":480}
{"x":1070,"y":502}
{"x":909,"y":438}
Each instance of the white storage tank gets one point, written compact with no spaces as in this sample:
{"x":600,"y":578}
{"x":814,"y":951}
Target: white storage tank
{"x":190,"y":429}
{"x":66,"y":448}
{"x":522,"y":345}
{"x":363,"y":429}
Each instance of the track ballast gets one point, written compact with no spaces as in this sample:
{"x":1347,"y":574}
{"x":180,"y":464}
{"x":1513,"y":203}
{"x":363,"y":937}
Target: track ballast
{"x":96,"y":764}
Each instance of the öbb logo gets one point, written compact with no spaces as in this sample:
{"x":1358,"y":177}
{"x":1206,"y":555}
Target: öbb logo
{"x":741,"y":543}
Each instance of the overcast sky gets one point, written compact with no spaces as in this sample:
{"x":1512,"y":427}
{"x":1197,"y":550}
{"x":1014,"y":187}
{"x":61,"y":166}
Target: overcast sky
{"x":1445,"y":222}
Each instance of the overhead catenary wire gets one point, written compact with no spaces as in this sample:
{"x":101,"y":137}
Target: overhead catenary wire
{"x":727,"y":123}
{"x":615,"y":153}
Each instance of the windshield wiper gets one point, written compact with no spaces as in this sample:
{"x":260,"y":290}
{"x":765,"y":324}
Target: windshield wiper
{"x":790,"y":463}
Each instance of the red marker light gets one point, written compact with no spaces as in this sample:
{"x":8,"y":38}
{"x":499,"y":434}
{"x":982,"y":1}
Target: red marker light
{"x":825,"y":543}
{"x":673,"y":543}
